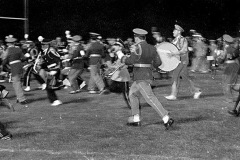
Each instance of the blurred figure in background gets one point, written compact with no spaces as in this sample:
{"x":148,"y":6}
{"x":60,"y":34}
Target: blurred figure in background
{"x":14,"y":58}
{"x":230,"y":73}
{"x":95,"y":52}
{"x":199,"y":62}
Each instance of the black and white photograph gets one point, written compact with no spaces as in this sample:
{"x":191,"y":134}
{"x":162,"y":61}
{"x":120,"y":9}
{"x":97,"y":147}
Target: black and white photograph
{"x":119,"y":79}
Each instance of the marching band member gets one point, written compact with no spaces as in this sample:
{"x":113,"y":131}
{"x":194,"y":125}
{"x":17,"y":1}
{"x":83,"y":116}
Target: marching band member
{"x":231,"y":68}
{"x":14,"y":58}
{"x":31,"y":55}
{"x":76,"y":53}
{"x":157,"y":36}
{"x":212,"y":48}
{"x":143,"y":57}
{"x":51,"y":65}
{"x":95,"y":52}
{"x":200,"y":50}
{"x":118,"y":72}
{"x":181,"y":70}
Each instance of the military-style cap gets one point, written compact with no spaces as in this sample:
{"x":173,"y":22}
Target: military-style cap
{"x":119,"y":42}
{"x":192,"y":30}
{"x":198,"y":35}
{"x":29,"y":42}
{"x":211,"y":40}
{"x":76,"y":38}
{"x":111,"y":39}
{"x":140,"y":32}
{"x":177,"y":27}
{"x":227,"y":38}
{"x":10,"y":40}
{"x":94,"y":35}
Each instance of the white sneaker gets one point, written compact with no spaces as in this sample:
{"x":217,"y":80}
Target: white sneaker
{"x":44,"y":86}
{"x":4,"y":93}
{"x":197,"y":95}
{"x":134,"y":118}
{"x":27,"y":89}
{"x":83,"y":84}
{"x":171,"y":97}
{"x":56,"y":103}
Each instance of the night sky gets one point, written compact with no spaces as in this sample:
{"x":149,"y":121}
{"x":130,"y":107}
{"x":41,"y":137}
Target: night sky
{"x":117,"y":18}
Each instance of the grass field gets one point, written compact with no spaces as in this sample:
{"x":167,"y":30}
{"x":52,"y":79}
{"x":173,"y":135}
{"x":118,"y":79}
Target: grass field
{"x":89,"y":127}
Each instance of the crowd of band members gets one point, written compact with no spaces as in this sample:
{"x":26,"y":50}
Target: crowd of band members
{"x":53,"y":61}
{"x":55,"y":57}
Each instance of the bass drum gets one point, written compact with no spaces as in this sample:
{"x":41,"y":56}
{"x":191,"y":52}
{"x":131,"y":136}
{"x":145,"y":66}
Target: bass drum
{"x":168,"y":63}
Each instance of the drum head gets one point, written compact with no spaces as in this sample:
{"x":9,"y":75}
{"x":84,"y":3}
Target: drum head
{"x":168,"y":63}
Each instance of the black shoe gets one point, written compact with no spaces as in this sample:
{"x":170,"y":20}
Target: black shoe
{"x":169,"y":123}
{"x":234,"y":113}
{"x":24,"y":102}
{"x":135,"y":124}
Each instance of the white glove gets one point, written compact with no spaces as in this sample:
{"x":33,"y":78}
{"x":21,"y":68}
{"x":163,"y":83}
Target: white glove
{"x":27,"y":55}
{"x":120,"y":55}
{"x":65,"y":50}
{"x":52,"y":73}
{"x":82,"y":52}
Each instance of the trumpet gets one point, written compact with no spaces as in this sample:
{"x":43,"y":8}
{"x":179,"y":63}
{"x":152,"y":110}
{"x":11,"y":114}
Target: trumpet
{"x":37,"y":63}
{"x":133,"y":47}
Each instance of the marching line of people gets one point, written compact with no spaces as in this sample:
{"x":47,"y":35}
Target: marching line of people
{"x":57,"y":63}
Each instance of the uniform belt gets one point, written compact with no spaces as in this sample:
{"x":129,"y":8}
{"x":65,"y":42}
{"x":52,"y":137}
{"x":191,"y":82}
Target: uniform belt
{"x":95,"y":55}
{"x":78,"y":58}
{"x":142,"y":65}
{"x":52,"y":65}
{"x":13,"y":62}
{"x":230,"y":61}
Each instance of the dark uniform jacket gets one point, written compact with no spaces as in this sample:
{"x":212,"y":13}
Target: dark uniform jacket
{"x":76,"y":57}
{"x":96,"y":48}
{"x":51,"y":60}
{"x":14,"y":54}
{"x":145,"y":54}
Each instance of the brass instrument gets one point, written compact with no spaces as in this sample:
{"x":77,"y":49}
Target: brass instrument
{"x":36,"y":66}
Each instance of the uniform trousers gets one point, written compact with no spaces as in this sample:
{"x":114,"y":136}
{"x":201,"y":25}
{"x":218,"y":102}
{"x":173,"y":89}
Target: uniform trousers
{"x":182,"y":71}
{"x":52,"y":96}
{"x":27,"y":77}
{"x":73,"y":76}
{"x":143,"y":87}
{"x":200,"y":64}
{"x":18,"y":87}
{"x":95,"y":78}
{"x":229,"y":79}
